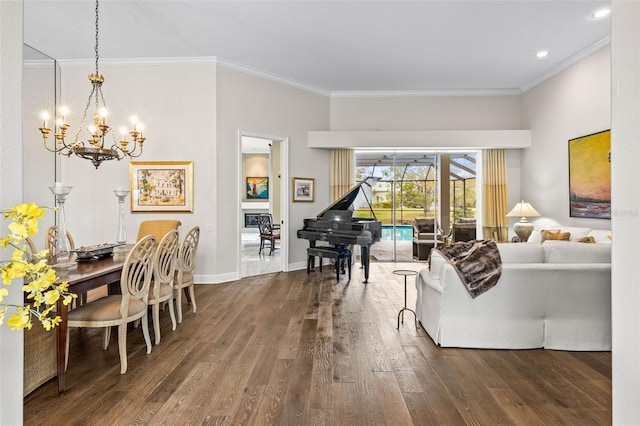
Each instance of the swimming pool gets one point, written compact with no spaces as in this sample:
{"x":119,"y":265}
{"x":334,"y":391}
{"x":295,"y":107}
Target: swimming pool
{"x":403,"y":232}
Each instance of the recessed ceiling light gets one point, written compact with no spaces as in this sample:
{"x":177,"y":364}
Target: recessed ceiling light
{"x":601,"y":13}
{"x":542,"y":54}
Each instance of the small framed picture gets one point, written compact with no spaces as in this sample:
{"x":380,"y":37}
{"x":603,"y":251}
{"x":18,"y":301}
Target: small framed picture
{"x":161,"y":186}
{"x":303,"y":189}
{"x":257,"y":188}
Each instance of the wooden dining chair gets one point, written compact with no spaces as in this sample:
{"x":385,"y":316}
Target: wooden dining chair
{"x":157,"y":228}
{"x":50,"y":240}
{"x":185,"y":268}
{"x":121,"y":309}
{"x":161,"y":288}
{"x":267,"y":232}
{"x":51,"y":237}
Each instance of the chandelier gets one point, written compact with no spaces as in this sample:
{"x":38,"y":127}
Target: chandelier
{"x":94,"y":148}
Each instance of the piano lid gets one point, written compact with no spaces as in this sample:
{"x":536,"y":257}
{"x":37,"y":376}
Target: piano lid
{"x":359,"y":196}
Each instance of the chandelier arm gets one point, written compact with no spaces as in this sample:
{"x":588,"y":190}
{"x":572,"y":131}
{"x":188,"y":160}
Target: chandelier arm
{"x":60,"y":151}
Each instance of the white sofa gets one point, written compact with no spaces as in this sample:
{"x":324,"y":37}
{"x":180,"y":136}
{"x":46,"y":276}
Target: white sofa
{"x":555,"y":295}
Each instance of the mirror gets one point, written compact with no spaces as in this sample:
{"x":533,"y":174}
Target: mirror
{"x":40,"y":168}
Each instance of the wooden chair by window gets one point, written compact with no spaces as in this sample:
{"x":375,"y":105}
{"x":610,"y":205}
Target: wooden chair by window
{"x":268,"y":233}
{"x":51,"y":237}
{"x":121,"y":309}
{"x":157,"y":228}
{"x":161,"y":288}
{"x":185,"y":268}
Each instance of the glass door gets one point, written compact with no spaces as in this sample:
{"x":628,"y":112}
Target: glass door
{"x":411,"y":190}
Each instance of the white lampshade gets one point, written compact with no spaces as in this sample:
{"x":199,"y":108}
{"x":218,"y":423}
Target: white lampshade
{"x":523,"y":229}
{"x":523,"y":210}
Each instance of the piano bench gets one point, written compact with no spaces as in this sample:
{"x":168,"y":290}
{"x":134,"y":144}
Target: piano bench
{"x":340,"y":254}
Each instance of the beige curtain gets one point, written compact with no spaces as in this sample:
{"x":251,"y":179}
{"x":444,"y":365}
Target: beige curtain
{"x":494,"y":221}
{"x":342,"y":172}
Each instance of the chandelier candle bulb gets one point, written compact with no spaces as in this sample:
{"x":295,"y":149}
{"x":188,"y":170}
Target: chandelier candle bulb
{"x":45,"y":117}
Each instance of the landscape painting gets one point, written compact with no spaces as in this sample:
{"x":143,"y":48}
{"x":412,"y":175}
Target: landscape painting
{"x":590,"y":176}
{"x":161,"y":186}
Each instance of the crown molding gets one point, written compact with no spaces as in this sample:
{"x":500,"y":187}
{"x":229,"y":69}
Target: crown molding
{"x":273,"y":77}
{"x":205,"y":60}
{"x":572,"y":60}
{"x":128,"y":62}
{"x":416,"y":93}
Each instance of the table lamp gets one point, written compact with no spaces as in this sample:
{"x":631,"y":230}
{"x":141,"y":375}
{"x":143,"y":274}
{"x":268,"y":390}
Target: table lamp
{"x":523,"y":228}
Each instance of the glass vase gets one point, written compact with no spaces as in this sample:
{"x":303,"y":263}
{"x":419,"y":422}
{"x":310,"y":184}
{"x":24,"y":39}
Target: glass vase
{"x":121,"y":237}
{"x":62,"y":248}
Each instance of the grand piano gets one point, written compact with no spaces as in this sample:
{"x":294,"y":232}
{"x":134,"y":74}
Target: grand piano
{"x":337,"y":226}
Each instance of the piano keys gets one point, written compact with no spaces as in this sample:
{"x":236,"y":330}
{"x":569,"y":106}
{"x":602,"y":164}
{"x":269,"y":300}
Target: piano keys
{"x":337,"y":226}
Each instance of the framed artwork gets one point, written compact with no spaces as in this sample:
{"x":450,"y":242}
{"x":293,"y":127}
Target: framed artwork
{"x":590,"y":176}
{"x":161,"y":186}
{"x":257,"y":188}
{"x":303,"y":189}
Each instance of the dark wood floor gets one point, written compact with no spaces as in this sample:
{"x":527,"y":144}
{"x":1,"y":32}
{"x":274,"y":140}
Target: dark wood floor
{"x":292,"y":349}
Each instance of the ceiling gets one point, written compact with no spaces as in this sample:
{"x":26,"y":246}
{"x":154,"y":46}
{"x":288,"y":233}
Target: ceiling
{"x":334,"y":47}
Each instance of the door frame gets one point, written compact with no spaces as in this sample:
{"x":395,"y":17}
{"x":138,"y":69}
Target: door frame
{"x":284,"y":195}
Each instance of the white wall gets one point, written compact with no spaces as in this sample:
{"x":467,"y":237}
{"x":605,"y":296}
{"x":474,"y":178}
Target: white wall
{"x":625,"y":157}
{"x":250,"y":104}
{"x":11,"y":347}
{"x":425,"y":113}
{"x":575,"y":102}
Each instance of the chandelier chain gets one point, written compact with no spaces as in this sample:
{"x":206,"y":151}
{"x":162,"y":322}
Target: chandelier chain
{"x":96,"y":48}
{"x":84,"y":115}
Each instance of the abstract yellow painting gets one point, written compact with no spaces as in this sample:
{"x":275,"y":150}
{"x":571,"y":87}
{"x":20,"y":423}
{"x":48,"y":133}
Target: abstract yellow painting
{"x":590,"y":176}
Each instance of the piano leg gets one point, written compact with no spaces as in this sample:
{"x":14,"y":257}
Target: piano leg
{"x":364,"y":259}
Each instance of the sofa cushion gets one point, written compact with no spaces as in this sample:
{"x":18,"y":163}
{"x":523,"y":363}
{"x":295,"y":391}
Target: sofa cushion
{"x":588,"y":239}
{"x":555,"y":234}
{"x":572,"y":252}
{"x":521,"y":253}
{"x":601,"y":235}
{"x":574,"y":231}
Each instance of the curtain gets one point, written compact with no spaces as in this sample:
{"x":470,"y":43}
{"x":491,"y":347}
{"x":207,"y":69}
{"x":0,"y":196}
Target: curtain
{"x":495,"y":224}
{"x":342,"y":172}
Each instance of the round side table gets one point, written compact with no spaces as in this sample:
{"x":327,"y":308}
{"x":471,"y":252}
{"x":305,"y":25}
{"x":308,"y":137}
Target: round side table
{"x":406,"y":272}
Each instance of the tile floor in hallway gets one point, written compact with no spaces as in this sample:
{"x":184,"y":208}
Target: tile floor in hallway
{"x":253,"y":263}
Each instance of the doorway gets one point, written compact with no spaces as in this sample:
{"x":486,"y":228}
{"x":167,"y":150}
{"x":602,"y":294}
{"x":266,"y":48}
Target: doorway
{"x":264,"y":191}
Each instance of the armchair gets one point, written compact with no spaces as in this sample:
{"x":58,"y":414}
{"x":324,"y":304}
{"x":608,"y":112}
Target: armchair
{"x":426,"y":235}
{"x":464,"y":229}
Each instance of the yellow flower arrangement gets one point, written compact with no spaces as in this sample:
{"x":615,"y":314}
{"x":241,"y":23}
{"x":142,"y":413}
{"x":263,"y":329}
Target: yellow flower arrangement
{"x":40,"y":288}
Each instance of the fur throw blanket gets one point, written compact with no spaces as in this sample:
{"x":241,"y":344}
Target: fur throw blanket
{"x":477,"y":262}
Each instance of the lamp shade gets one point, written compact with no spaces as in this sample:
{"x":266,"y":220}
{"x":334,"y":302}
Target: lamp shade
{"x":523,"y":209}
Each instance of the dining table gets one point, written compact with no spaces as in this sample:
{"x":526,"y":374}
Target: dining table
{"x":82,"y":277}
